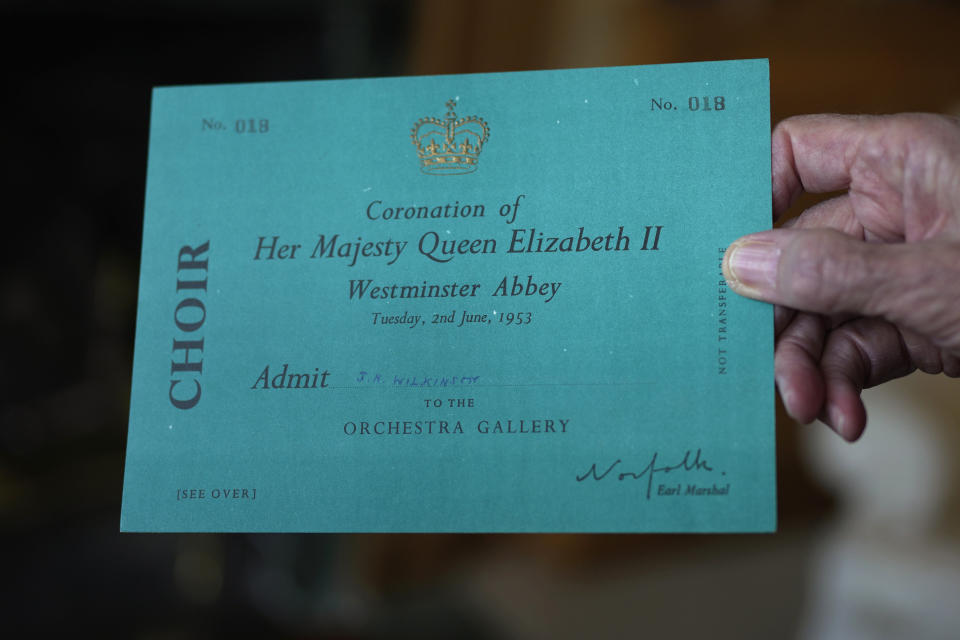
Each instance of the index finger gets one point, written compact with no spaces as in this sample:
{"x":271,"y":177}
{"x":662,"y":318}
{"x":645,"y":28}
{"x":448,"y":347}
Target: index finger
{"x":814,"y":154}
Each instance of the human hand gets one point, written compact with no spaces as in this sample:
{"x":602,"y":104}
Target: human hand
{"x":867,"y":284}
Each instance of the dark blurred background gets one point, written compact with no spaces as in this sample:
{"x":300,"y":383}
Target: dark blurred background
{"x":74,"y":132}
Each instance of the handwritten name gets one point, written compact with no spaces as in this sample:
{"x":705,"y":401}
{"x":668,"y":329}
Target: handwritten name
{"x":690,"y":462}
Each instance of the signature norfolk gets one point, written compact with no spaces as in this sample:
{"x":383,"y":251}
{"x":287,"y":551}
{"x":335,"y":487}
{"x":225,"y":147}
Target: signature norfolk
{"x":691,"y":463}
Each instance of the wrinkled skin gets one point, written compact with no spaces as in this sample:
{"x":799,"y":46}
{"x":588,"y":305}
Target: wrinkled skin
{"x":867,"y":284}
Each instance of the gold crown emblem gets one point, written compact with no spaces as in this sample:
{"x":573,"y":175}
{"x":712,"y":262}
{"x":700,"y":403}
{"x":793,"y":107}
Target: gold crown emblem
{"x":451,"y":145}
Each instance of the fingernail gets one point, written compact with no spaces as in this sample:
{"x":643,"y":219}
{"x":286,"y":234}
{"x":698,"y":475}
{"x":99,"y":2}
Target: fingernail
{"x":751,"y":266}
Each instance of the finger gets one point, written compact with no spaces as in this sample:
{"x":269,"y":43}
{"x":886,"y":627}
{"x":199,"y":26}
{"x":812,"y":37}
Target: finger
{"x":835,"y":213}
{"x":797,"y":369}
{"x":901,"y":169}
{"x":951,"y":364}
{"x":923,"y":353}
{"x":913,"y":285}
{"x":782,"y":317}
{"x":813,"y":153}
{"x":860,"y":354}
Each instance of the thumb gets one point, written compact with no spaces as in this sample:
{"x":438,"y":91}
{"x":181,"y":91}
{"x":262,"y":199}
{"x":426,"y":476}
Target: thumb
{"x":916,"y":285}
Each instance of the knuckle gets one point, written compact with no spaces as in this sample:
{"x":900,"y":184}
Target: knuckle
{"x":846,"y":358}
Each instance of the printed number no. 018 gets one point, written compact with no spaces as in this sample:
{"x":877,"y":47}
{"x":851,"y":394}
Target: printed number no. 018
{"x":694,"y":103}
{"x":252,"y":125}
{"x":706,"y":103}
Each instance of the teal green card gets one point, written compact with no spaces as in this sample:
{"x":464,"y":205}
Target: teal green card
{"x":474,"y":303}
